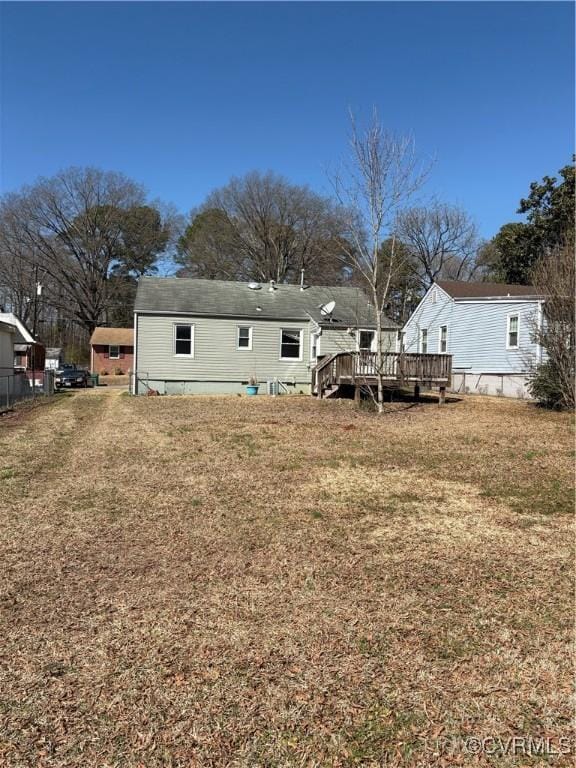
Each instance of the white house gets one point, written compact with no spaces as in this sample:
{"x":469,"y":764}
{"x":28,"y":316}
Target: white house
{"x":7,"y":337}
{"x":486,"y":327}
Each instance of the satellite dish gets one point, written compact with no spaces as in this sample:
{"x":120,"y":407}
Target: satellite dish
{"x":254,"y":286}
{"x":327,"y":309}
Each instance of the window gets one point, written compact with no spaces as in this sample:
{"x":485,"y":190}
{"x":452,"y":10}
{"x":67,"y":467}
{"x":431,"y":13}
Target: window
{"x":513,"y":329}
{"x":114,"y":352}
{"x":443,"y":338}
{"x":184,"y":340}
{"x":290,"y":344}
{"x":365,"y":340}
{"x":424,"y":341}
{"x":244,"y":340}
{"x":314,"y":345}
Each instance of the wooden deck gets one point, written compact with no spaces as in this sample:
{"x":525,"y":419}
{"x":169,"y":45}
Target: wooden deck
{"x":399,"y":369}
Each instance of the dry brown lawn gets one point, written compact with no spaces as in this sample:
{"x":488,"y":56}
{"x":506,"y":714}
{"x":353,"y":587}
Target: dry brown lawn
{"x":253,"y":582}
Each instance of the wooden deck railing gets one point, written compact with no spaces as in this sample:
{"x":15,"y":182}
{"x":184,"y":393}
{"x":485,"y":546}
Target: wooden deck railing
{"x":397,"y":367}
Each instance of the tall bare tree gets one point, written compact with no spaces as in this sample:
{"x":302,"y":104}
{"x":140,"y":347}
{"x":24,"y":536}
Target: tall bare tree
{"x":442,"y":240}
{"x":555,"y":278}
{"x":262,"y":227}
{"x":381,"y":176}
{"x":81,"y":227}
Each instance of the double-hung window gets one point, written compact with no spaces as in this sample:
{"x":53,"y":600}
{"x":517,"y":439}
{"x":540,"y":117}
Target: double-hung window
{"x":512,"y":333}
{"x":183,"y":340}
{"x":244,"y":339}
{"x":114,"y":352}
{"x":291,"y":344}
{"x":366,"y":340}
{"x":424,"y":341}
{"x":443,"y":339}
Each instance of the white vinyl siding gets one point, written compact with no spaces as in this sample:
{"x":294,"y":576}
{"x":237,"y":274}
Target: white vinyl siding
{"x":477,"y":332}
{"x":216,"y":355}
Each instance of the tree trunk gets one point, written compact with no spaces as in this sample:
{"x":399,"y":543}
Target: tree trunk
{"x":379,"y":357}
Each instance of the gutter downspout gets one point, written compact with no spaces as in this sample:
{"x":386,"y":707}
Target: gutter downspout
{"x":539,"y":322}
{"x":135,"y":360}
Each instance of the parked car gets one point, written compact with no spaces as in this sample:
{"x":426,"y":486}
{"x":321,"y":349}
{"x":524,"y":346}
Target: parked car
{"x":72,"y":377}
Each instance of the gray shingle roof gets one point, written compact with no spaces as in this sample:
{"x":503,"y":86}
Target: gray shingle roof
{"x":192,"y":296}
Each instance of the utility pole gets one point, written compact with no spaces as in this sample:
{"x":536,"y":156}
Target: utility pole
{"x":37,"y":294}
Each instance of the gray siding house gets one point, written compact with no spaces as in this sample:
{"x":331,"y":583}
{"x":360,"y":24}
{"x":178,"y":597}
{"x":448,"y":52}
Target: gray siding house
{"x":212,"y":336}
{"x":486,"y":327}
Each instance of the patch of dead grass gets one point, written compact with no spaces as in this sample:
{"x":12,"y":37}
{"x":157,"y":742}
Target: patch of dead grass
{"x":255,"y":582}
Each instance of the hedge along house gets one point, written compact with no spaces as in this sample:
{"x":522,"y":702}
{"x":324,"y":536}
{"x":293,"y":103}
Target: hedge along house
{"x":488,"y":330}
{"x":112,"y":350}
{"x":213,"y":336}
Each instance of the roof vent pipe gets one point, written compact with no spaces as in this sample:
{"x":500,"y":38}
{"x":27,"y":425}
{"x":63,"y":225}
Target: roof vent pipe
{"x":272,"y":286}
{"x":301,"y":279}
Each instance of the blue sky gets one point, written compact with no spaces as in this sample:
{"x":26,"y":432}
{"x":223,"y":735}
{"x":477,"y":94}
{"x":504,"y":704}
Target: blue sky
{"x":181,"y":96}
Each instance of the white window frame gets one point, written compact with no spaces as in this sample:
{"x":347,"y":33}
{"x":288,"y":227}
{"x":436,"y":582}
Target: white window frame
{"x":192,"y":337}
{"x":420,"y":341}
{"x":440,"y":350}
{"x":250,"y":332}
{"x":315,"y":337}
{"x":373,"y":343}
{"x":301,"y":348}
{"x":110,"y":348}
{"x":508,"y":318}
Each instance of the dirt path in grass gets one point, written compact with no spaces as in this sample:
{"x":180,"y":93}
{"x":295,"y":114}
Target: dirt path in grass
{"x":282,"y":582}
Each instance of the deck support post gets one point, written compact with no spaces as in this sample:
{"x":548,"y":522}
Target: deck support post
{"x":416,"y":392}
{"x":357,"y":393}
{"x":442,"y":398}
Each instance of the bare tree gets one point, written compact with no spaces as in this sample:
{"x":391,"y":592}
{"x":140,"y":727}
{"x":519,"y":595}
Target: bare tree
{"x":554,"y":277}
{"x":381,"y":176}
{"x":81,"y":227}
{"x":442,"y":240}
{"x":262,"y":227}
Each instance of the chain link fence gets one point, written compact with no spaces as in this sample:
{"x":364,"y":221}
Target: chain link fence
{"x":16,"y":387}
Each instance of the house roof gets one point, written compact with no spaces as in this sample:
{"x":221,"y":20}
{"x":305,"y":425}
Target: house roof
{"x":23,"y":335}
{"x":459,"y":289}
{"x":53,"y":352}
{"x":123,"y":337}
{"x":224,"y":298}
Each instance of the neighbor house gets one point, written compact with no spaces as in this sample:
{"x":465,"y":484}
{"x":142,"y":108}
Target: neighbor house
{"x":28,"y":353}
{"x":54,"y":359}
{"x":194,"y":336}
{"x":488,"y":330}
{"x":7,"y":334}
{"x":112,"y":350}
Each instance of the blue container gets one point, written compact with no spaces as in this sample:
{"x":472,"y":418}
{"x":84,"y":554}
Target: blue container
{"x":252,"y":389}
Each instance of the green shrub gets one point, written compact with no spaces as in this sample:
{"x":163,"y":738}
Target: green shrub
{"x":545,"y":386}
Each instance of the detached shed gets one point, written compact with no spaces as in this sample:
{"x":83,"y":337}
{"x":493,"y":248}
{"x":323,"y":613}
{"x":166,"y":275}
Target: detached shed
{"x":112,"y":350}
